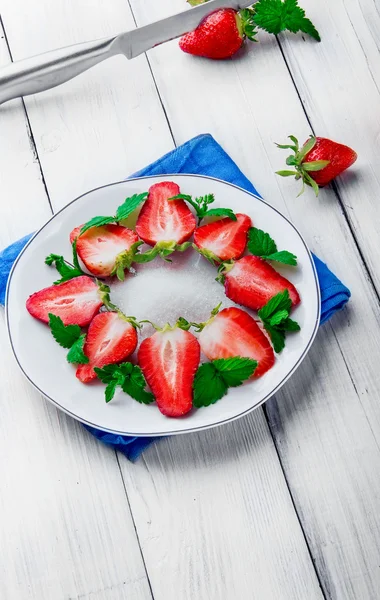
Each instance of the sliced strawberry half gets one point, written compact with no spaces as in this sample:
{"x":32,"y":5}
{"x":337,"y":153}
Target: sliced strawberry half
{"x":169,"y":360}
{"x":225,"y":239}
{"x":252,"y":282}
{"x":164,"y":220}
{"x":99,"y":247}
{"x":110,"y":339}
{"x":75,"y":301}
{"x":233,"y":332}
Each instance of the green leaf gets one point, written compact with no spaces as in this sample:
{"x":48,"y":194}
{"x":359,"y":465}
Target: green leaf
{"x":110,"y":390}
{"x":208,"y":386}
{"x":290,"y":325}
{"x":247,"y":16}
{"x":129,"y":205}
{"x":279,"y":316}
{"x":49,"y":260}
{"x":75,"y":255}
{"x":277,"y":337}
{"x":315,"y":165}
{"x":220,"y":212}
{"x":65,"y":335}
{"x":96,"y":222}
{"x":286,"y":173}
{"x":306,"y":148}
{"x":287,"y":147}
{"x":280,"y":301}
{"x":310,"y":181}
{"x":260,"y":243}
{"x":76,"y":353}
{"x":106,"y":373}
{"x":183,"y":247}
{"x":235,"y":370}
{"x":66,"y":270}
{"x":275,"y":16}
{"x":285,"y":257}
{"x":210,"y":256}
{"x":188,"y":199}
{"x":291,"y":161}
{"x":135,"y":385}
{"x":146,"y":257}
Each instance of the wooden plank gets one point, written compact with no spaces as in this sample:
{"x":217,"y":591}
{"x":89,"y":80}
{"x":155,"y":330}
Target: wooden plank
{"x":330,"y":449}
{"x":64,"y":514}
{"x":92,"y":111}
{"x":339,"y":82}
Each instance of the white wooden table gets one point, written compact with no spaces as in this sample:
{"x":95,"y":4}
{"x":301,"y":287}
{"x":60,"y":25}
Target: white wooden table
{"x":283,"y":504}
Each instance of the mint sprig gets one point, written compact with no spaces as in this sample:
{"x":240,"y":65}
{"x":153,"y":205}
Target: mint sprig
{"x":201,"y":207}
{"x":261,"y":244}
{"x":69,"y":337}
{"x":275,"y":318}
{"x":129,"y":377}
{"x":213,"y":379}
{"x":64,"y":268}
{"x":122,"y":212}
{"x":275,"y":16}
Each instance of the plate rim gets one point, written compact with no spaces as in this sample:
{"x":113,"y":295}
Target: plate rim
{"x":189,"y":429}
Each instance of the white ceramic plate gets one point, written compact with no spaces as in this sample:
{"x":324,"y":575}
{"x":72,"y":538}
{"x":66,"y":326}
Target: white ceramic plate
{"x":160,"y":292}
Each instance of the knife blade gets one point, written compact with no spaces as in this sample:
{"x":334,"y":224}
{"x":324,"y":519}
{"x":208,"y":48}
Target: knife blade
{"x":144,"y":38}
{"x":48,"y":70}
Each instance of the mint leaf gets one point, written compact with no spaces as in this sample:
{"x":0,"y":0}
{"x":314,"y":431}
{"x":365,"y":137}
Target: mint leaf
{"x":284,"y":257}
{"x":66,"y":271}
{"x":277,"y":338}
{"x":75,"y":255}
{"x":279,"y":302}
{"x":290,"y":325}
{"x":106,"y":373}
{"x":129,"y":205}
{"x":220,"y":212}
{"x":208,"y":386}
{"x":135,"y":387}
{"x":260,"y":243}
{"x":64,"y":335}
{"x":235,"y":370}
{"x":76,"y":353}
{"x":110,"y":390}
{"x":96,"y":222}
{"x":275,"y":16}
{"x":278,"y":317}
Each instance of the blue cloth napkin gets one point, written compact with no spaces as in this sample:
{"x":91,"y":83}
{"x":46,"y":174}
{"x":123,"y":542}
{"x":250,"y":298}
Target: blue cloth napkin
{"x":201,"y":155}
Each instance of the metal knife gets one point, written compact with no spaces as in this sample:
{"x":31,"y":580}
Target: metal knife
{"x":50,"y":69}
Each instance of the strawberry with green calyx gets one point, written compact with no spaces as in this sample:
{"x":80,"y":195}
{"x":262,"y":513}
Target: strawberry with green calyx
{"x":318,"y":162}
{"x":233,"y":332}
{"x":69,"y":337}
{"x":222,"y":33}
{"x":251,"y":282}
{"x":169,"y":360}
{"x":261,"y":244}
{"x":164,"y":223}
{"x":129,"y":377}
{"x":275,"y":318}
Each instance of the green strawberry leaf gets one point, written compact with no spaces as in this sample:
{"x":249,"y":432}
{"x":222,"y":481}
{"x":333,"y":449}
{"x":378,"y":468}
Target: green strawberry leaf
{"x":208,"y":386}
{"x":235,"y":370}
{"x":260,"y":243}
{"x":315,"y":165}
{"x":96,"y":222}
{"x":220,"y":212}
{"x":279,"y":302}
{"x":275,"y":16}
{"x":286,"y":173}
{"x":129,"y":205}
{"x":76,"y":353}
{"x":75,"y":256}
{"x":64,"y":335}
{"x":284,"y":257}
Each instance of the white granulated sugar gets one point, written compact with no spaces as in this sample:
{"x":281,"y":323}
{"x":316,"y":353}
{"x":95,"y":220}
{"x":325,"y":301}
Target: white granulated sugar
{"x":162,"y":292}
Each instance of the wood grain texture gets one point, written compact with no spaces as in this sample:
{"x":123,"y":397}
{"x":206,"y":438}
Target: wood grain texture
{"x":270,"y":575}
{"x":64,"y":514}
{"x":341,"y":378}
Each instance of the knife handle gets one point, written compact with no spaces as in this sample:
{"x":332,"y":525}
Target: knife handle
{"x":50,"y":69}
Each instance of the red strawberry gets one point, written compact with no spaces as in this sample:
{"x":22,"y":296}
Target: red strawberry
{"x":99,"y":247}
{"x":76,"y":301}
{"x":220,"y":35}
{"x":318,"y":162}
{"x":161,"y":220}
{"x":225,"y":239}
{"x":110,"y":339}
{"x":233,"y":332}
{"x":252,"y":282}
{"x":169,"y":360}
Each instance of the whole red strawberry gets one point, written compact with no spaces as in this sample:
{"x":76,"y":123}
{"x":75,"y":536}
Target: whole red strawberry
{"x":220,"y":35}
{"x":318,"y":162}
